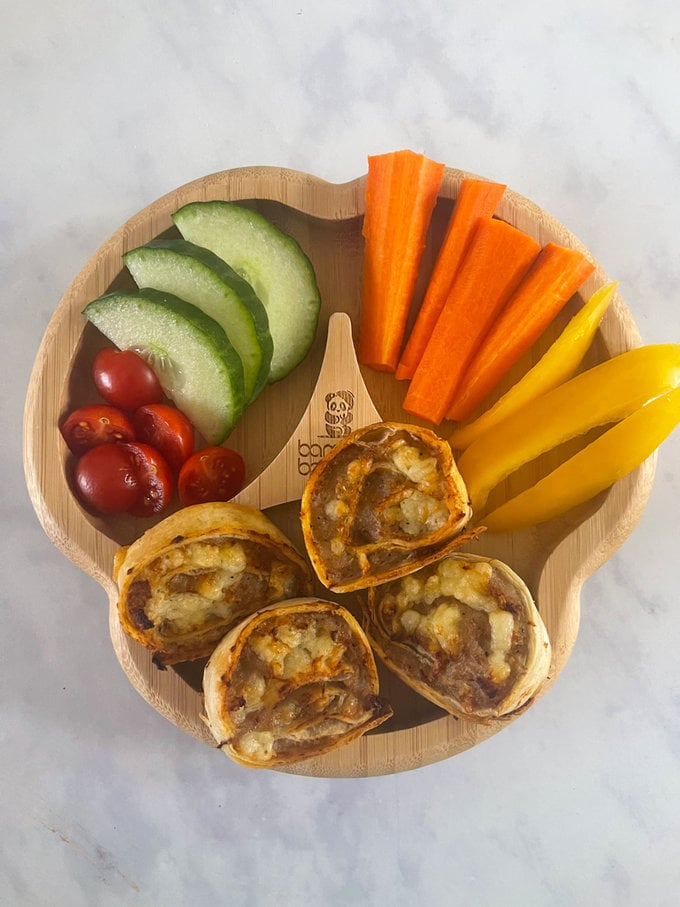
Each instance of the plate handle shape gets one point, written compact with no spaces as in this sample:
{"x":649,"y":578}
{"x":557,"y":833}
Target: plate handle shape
{"x":340,"y":403}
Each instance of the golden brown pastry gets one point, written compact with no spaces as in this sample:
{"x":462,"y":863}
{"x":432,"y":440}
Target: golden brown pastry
{"x":465,"y":633}
{"x":191,"y":577}
{"x":385,"y":501}
{"x":293,"y":681}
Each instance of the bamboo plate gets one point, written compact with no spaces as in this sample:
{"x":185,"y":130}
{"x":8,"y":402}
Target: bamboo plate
{"x":554,"y":559}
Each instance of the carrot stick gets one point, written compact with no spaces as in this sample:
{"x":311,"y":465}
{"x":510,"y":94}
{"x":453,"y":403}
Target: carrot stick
{"x":477,"y":198}
{"x":497,"y":259}
{"x":553,"y":279}
{"x":401,"y":192}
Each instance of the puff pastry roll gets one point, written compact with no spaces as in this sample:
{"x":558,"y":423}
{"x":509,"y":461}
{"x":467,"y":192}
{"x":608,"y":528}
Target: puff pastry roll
{"x":383,"y":502}
{"x":465,"y":633}
{"x":295,"y":680}
{"x":191,"y":577}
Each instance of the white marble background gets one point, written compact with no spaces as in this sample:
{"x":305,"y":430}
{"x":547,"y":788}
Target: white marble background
{"x":106,"y":107}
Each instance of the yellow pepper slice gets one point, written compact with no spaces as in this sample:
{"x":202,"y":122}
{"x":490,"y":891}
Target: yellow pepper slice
{"x":556,"y":366}
{"x":613,"y":455}
{"x":606,"y":393}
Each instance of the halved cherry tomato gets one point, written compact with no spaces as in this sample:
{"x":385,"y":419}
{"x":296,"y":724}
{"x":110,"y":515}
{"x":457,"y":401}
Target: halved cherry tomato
{"x":167,"y":429}
{"x":106,"y":479}
{"x":90,"y":426}
{"x":211,"y":474}
{"x":154,"y":478}
{"x":125,"y":379}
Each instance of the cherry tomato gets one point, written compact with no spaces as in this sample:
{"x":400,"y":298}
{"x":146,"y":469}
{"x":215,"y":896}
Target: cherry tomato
{"x":211,"y":474}
{"x":167,"y":429}
{"x":124,"y":379}
{"x":90,"y":426}
{"x":154,"y":478}
{"x":106,"y":479}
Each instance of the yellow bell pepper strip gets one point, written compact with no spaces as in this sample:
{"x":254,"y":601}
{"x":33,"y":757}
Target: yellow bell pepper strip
{"x":605,"y":393}
{"x":557,"y":365}
{"x":609,"y":458}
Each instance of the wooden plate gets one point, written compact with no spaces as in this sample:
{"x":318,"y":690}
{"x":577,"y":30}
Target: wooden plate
{"x":326,"y":219}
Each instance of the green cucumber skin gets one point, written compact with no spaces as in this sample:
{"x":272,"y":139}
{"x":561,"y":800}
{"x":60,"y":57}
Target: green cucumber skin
{"x":211,"y":392}
{"x":200,"y":277}
{"x":274,"y":265}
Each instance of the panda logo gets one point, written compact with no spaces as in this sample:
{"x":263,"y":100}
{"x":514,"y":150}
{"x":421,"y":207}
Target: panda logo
{"x":339,"y":406}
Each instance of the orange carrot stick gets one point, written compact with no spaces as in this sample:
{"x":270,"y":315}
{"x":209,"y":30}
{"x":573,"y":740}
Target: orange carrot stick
{"x":555,"y":276}
{"x":476,"y":198}
{"x":401,"y":192}
{"x":497,"y":259}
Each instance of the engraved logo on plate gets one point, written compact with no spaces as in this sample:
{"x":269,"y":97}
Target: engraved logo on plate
{"x":338,"y":418}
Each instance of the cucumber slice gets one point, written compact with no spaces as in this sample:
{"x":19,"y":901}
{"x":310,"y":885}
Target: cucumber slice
{"x":200,"y":277}
{"x":273,"y":264}
{"x":198,"y":368}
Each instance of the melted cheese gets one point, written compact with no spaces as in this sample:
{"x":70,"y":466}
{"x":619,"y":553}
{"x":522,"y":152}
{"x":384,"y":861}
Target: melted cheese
{"x":442,"y":625}
{"x":253,"y":691}
{"x":295,"y":652}
{"x":418,"y":467}
{"x":410,"y":621}
{"x":439,"y":625}
{"x":469,"y":583}
{"x":336,"y":509}
{"x":337,"y":546}
{"x":184,"y":610}
{"x":357,"y":469}
{"x":451,"y":580}
{"x":419,"y":511}
{"x":214,"y":585}
{"x":502,"y":624}
{"x":227,"y":555}
{"x":258,"y":745}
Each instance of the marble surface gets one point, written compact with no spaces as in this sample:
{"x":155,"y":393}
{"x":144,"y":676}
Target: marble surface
{"x":105,"y":108}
